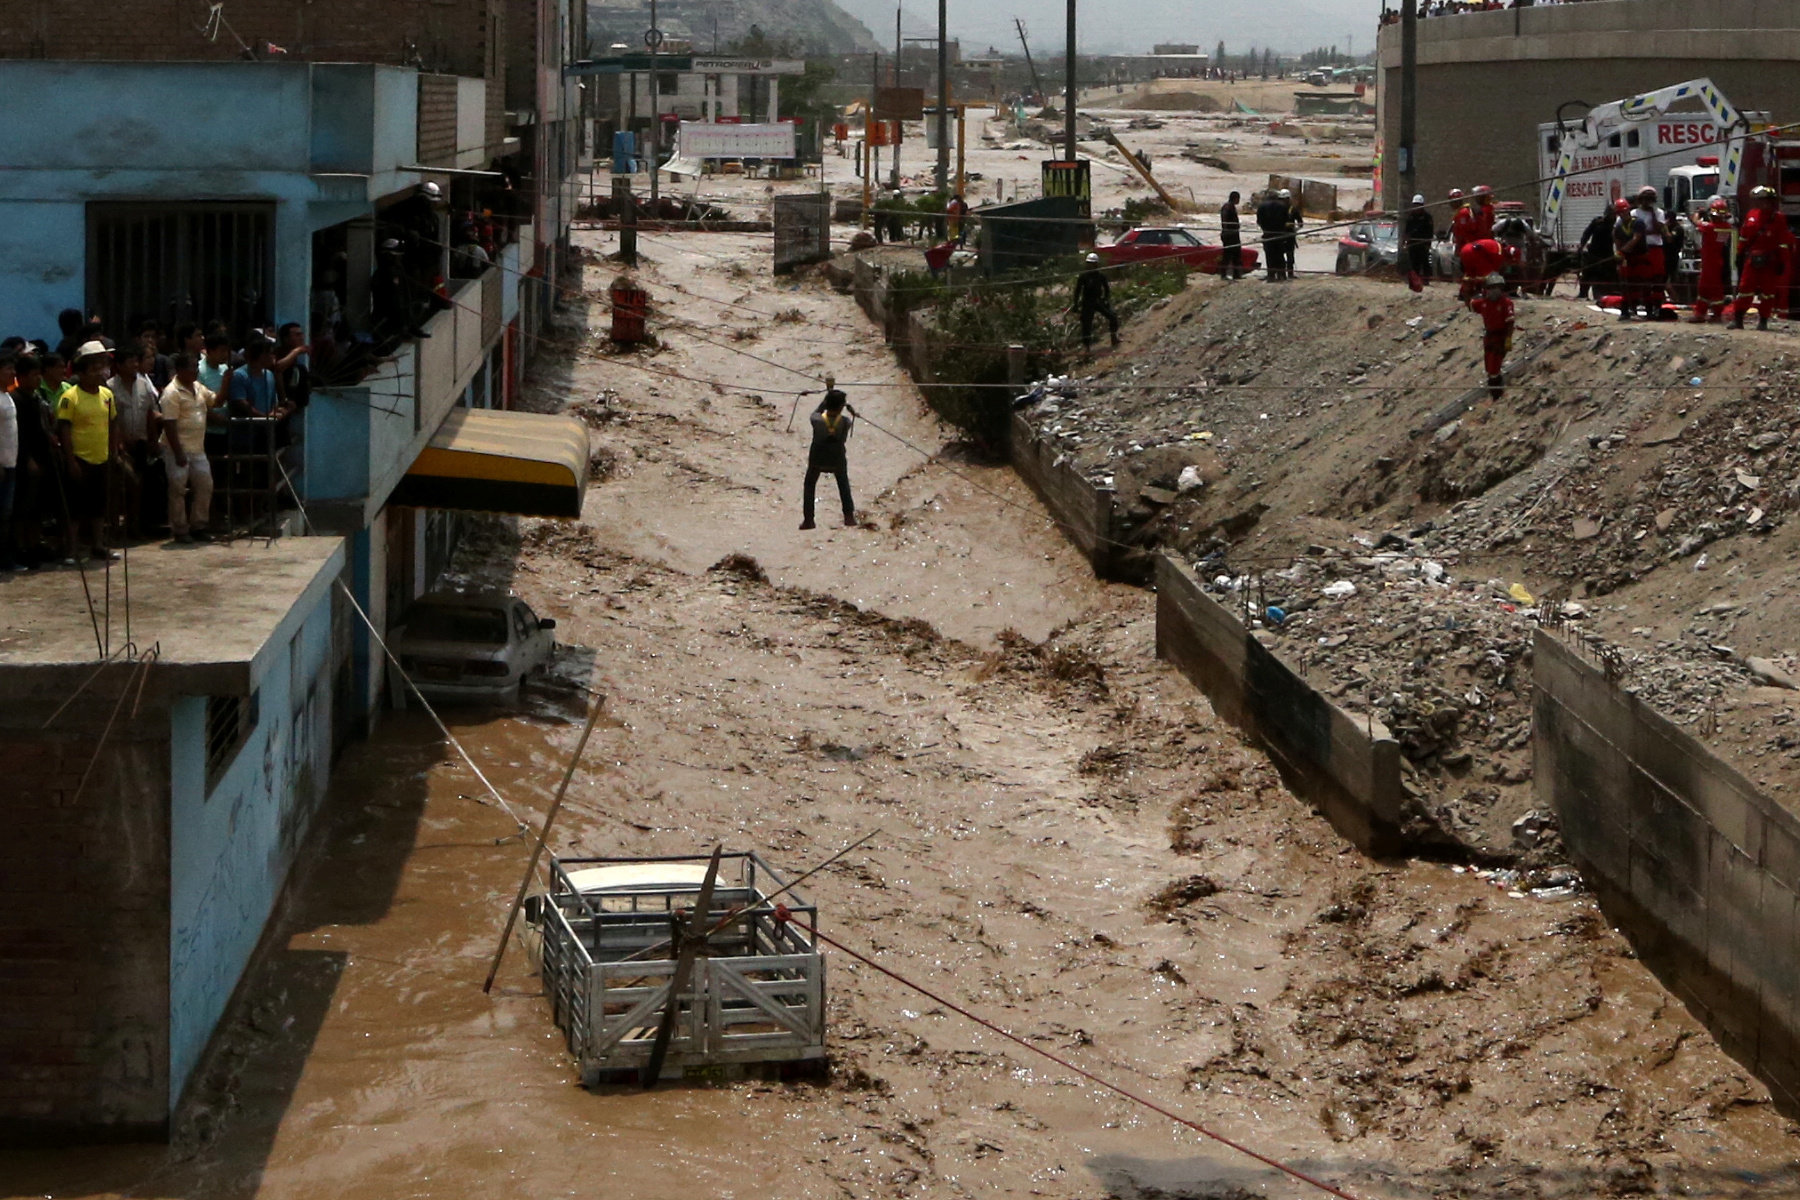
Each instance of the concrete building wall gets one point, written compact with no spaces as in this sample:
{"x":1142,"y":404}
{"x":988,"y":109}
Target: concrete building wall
{"x":84,"y":916}
{"x":261,"y":122}
{"x":231,"y":846}
{"x":1487,"y":80}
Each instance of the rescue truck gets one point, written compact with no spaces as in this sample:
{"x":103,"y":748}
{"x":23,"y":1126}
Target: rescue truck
{"x":1620,"y":147}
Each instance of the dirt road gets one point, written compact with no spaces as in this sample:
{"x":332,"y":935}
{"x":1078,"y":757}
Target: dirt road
{"x":1069,"y":844}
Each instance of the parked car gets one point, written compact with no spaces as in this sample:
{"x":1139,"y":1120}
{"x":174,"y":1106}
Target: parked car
{"x":1148,"y":244}
{"x":477,"y":646}
{"x":1369,"y":245}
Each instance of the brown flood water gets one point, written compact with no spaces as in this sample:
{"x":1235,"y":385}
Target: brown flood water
{"x":1070,"y":844}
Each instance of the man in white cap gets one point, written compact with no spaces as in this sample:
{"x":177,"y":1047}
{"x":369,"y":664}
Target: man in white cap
{"x":1093,"y":296}
{"x":1418,"y":233}
{"x":87,"y":429}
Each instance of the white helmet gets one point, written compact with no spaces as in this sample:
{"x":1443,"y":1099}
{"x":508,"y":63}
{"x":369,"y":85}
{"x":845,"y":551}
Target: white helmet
{"x":433,"y":191}
{"x":1285,"y":194}
{"x":1093,"y":258}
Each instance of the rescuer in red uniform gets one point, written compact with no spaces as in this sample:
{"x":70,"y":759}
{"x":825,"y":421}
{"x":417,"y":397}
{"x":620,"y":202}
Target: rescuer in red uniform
{"x":1496,"y":309}
{"x":1714,"y":284}
{"x":1481,"y":259}
{"x":1484,"y":211}
{"x":1762,"y":258}
{"x":1462,"y":224}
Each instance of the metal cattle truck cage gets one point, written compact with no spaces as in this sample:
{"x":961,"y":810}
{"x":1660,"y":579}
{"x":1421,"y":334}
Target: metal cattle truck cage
{"x":606,"y":931}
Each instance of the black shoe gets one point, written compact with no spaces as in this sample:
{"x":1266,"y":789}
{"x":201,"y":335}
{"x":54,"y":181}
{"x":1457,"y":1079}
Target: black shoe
{"x":1762,"y":323}
{"x":808,"y":525}
{"x":849,"y":522}
{"x":201,"y":535}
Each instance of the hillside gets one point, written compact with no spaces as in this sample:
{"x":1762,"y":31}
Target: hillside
{"x":810,"y":26}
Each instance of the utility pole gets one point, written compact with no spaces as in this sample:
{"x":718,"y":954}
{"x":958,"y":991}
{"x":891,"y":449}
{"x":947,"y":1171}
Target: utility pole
{"x":868,"y":146}
{"x":1068,"y":88}
{"x":943,"y":102}
{"x":1037,"y":88}
{"x":894,"y":178}
{"x":654,"y":38}
{"x":1409,"y":99}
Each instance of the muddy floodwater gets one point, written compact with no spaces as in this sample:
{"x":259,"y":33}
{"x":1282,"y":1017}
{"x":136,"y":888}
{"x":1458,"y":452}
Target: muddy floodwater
{"x":1069,"y":843}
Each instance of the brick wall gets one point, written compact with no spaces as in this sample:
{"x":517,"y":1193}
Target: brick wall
{"x":84,"y":922}
{"x":432,"y":34}
{"x":437,"y":120}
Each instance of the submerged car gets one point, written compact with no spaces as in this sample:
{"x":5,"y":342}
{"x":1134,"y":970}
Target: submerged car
{"x":475,"y":646}
{"x":1163,"y":243}
{"x":1369,"y":245}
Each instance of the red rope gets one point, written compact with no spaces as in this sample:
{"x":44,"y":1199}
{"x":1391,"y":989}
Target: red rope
{"x":1086,"y":1074}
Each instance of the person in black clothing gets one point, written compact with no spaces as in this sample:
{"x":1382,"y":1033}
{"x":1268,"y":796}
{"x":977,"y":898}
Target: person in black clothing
{"x":1231,"y":262}
{"x":1418,"y":232}
{"x":1093,"y":297}
{"x":1272,"y":218}
{"x":1598,"y":266}
{"x":831,"y":425}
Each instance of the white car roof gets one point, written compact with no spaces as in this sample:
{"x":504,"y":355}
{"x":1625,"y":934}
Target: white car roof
{"x":638,"y":877}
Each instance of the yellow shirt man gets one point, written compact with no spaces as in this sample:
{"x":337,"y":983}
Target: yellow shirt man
{"x":90,"y":416}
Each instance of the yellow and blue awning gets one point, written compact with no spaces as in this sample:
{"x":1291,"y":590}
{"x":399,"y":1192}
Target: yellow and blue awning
{"x":482,"y":460}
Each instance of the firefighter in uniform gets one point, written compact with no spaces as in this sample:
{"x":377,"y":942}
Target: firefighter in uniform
{"x":1762,"y":258}
{"x":1714,"y":285}
{"x":1497,"y":319}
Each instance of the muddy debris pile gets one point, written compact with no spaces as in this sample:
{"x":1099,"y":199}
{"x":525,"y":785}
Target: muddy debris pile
{"x":1443,"y":661}
{"x":1627,"y":498}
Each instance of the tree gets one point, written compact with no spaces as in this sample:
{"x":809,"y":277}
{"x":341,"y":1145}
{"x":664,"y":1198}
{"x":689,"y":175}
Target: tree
{"x":1267,"y":60}
{"x":1219,"y":54}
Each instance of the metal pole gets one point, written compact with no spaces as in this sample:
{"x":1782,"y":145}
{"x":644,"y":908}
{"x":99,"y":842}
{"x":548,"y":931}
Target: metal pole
{"x":655,"y":40}
{"x":543,"y":836}
{"x":1069,"y":148}
{"x":1409,"y":102}
{"x":868,"y":146}
{"x":943,"y":101}
{"x":894,"y":173}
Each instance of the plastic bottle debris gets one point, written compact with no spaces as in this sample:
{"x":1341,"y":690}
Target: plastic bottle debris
{"x":1341,"y":588}
{"x":1695,"y":381}
{"x":1274,"y":615}
{"x":1189,"y":480}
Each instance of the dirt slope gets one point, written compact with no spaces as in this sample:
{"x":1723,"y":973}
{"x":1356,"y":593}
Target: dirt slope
{"x":1645,"y":473}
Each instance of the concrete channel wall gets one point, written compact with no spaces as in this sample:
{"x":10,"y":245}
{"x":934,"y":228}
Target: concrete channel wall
{"x":1087,"y":512}
{"x":1346,"y":765}
{"x":1696,"y":865}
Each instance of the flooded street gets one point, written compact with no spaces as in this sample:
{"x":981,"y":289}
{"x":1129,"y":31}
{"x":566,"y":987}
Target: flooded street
{"x":1070,"y":844}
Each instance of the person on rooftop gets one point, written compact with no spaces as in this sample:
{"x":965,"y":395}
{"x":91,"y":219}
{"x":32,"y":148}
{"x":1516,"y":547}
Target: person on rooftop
{"x":87,"y":430}
{"x":181,"y":416}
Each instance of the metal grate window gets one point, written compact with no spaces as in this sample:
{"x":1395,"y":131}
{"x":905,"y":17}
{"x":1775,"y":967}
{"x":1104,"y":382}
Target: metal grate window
{"x":180,"y":262}
{"x":229,"y":721}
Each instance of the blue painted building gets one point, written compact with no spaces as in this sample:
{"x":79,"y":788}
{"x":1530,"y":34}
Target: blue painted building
{"x":242,"y":190}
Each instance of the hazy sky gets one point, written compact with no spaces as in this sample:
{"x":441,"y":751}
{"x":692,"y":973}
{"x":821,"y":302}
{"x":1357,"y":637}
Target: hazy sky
{"x":1124,"y":25}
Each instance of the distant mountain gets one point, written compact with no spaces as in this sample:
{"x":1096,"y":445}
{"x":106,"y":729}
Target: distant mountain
{"x":811,"y":26}
{"x":1118,"y":26}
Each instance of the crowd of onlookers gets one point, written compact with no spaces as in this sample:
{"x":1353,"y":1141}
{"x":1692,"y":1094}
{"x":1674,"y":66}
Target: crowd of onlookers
{"x":114,"y":434}
{"x":104,"y":439}
{"x":1454,"y":8}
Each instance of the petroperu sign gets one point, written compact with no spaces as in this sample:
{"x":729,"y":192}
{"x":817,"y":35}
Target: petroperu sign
{"x":747,"y":66}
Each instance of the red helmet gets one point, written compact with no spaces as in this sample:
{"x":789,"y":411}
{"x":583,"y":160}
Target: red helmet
{"x":1719,"y":204}
{"x":1456,"y":193}
{"x":1482,"y":189}
{"x":1622,"y":205}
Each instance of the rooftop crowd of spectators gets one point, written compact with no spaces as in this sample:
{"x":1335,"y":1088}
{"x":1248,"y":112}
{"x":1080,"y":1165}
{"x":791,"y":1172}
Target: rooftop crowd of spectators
{"x":1456,"y":8}
{"x":111,"y":434}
